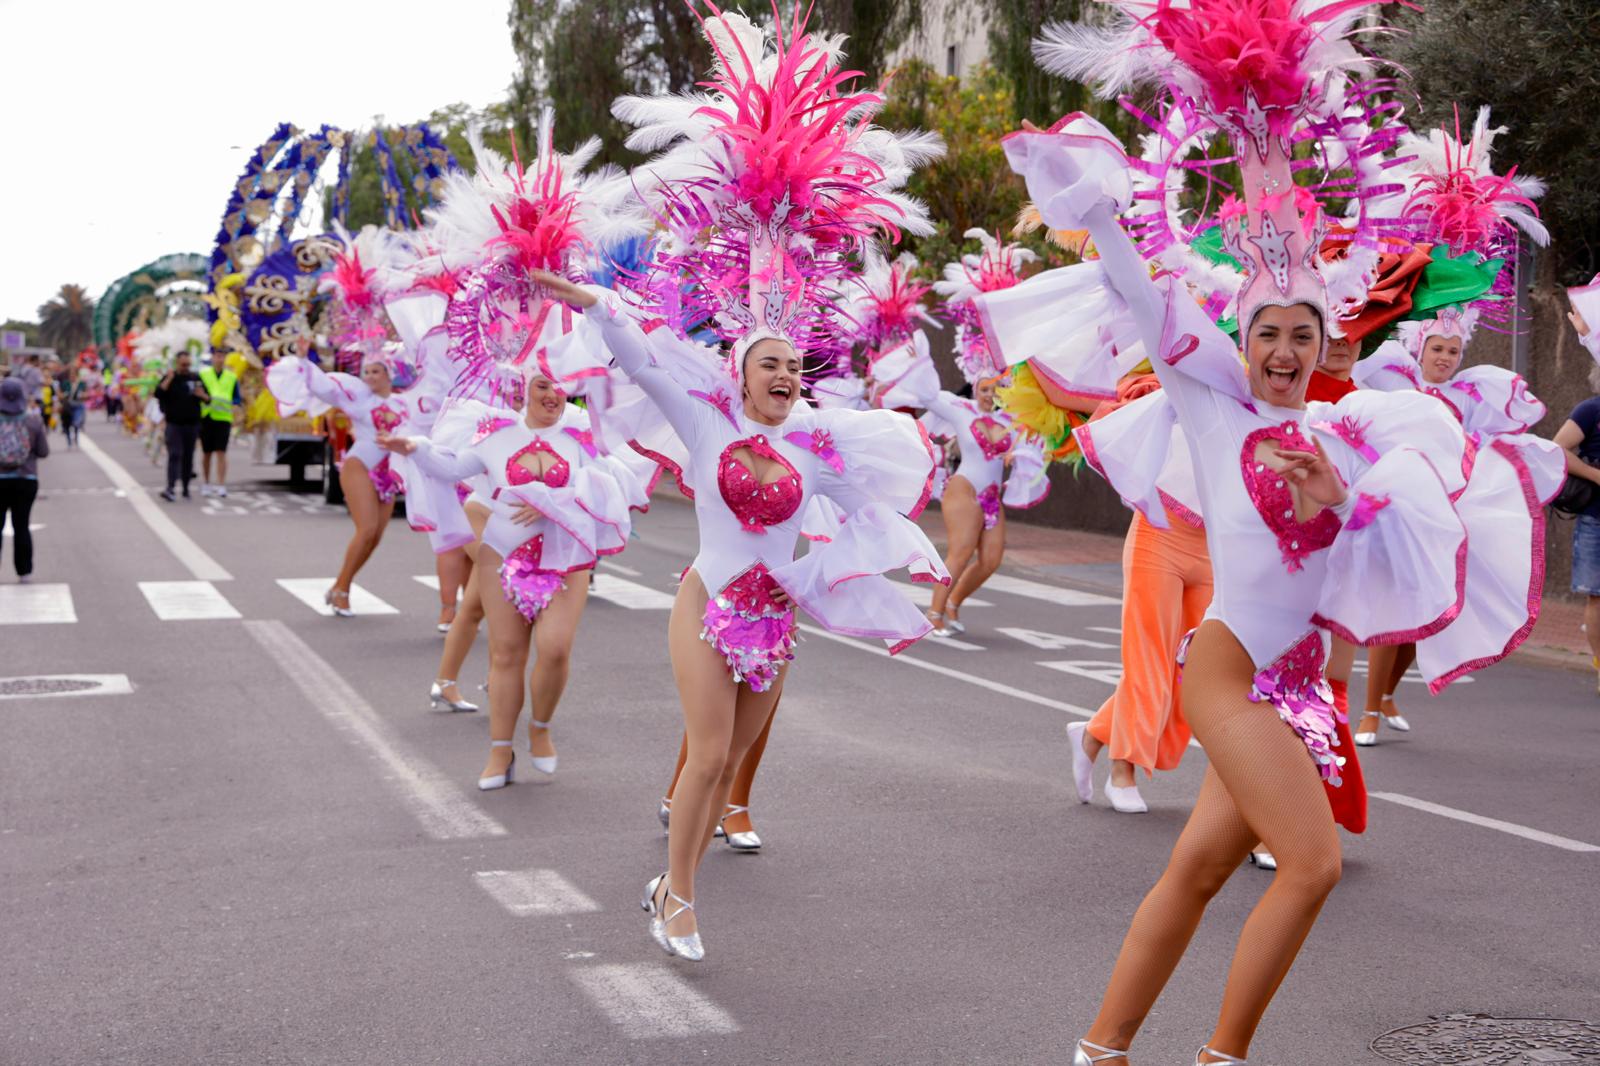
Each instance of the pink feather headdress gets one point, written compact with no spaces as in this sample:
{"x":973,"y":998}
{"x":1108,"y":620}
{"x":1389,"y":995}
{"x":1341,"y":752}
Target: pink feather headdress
{"x":492,"y":228}
{"x":996,"y":265}
{"x":770,"y":177}
{"x":363,"y":275}
{"x":1270,"y":74}
{"x":887,"y":308}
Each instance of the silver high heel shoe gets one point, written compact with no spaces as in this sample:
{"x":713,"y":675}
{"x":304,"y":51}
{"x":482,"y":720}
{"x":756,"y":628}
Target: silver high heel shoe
{"x":954,"y":625}
{"x":1396,"y":721}
{"x":545,"y":764}
{"x":1081,"y":1057}
{"x":1220,"y":1058}
{"x":495,"y":781}
{"x":437,"y":698}
{"x":740,"y":841}
{"x":339,"y":612}
{"x":688,"y":947}
{"x":664,"y":815}
{"x":940,"y":628}
{"x":1262,"y":860}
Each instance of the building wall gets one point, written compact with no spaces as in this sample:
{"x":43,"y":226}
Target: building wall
{"x":953,"y":38}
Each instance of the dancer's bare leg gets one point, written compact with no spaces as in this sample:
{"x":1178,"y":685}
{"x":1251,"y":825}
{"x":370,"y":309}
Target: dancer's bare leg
{"x":371,"y":516}
{"x":509,"y":637}
{"x":464,"y":630}
{"x":553,"y":634}
{"x":963,"y":525}
{"x":453,"y":568}
{"x":722,"y":719}
{"x":743,"y":781}
{"x":1404,"y":656}
{"x":1261,"y":784}
{"x":991,"y":551}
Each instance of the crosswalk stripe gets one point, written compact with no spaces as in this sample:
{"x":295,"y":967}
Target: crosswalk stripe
{"x":312,"y":591}
{"x":427,"y":580}
{"x":528,"y":893}
{"x":630,"y":594}
{"x":52,"y":686}
{"x":182,"y":546}
{"x":1038,"y":590}
{"x":922,"y":596}
{"x":27,"y":605}
{"x":182,"y":601}
{"x":647,"y":1000}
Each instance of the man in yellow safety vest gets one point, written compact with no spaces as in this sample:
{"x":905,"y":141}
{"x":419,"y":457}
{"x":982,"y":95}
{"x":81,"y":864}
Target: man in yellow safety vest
{"x":216,"y":422}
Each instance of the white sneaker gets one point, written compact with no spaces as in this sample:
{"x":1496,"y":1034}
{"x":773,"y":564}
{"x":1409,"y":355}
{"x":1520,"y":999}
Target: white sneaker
{"x":1126,"y":800}
{"x":222,"y":490}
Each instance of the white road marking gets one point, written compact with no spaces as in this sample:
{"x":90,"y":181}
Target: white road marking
{"x":430,"y":580}
{"x":1115,"y":630}
{"x":1038,"y":590}
{"x":625,"y":571}
{"x":535,"y":892}
{"x":312,"y":591}
{"x":1094,"y":669}
{"x":33,"y":527}
{"x":179,"y":601}
{"x":946,"y":671}
{"x":14,"y":688}
{"x":31,"y":605}
{"x":1054,"y":641}
{"x":433,"y":799}
{"x":179,"y":543}
{"x":952,"y":642}
{"x":921,"y":594}
{"x":630,"y":594}
{"x":648,"y":1001}
{"x":1538,"y":835}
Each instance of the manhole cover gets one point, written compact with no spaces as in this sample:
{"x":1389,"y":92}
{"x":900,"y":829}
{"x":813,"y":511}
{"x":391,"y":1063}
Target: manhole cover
{"x":1482,"y":1040}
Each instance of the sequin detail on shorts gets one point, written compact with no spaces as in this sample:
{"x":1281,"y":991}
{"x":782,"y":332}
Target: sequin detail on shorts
{"x":385,"y":480}
{"x":527,"y":587}
{"x":1294,"y":684}
{"x":989,"y":503}
{"x":752,"y":632}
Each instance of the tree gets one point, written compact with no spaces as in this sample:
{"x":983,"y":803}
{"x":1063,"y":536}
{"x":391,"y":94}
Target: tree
{"x":66,"y":322}
{"x":972,"y":186}
{"x":580,"y":55}
{"x":1537,"y":63}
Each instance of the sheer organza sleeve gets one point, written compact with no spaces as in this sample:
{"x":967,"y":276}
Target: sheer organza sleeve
{"x":662,"y":366}
{"x":300,"y":385}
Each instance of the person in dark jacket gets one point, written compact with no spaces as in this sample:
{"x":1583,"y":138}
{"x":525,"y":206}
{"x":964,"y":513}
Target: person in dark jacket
{"x":23,"y":443}
{"x":182,"y":397}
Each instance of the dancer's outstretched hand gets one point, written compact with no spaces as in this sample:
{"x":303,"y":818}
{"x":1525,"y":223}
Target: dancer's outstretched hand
{"x":399,"y":445}
{"x":562,"y":289}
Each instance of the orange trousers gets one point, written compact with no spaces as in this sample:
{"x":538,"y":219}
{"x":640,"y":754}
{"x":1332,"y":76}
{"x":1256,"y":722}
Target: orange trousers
{"x":1166,"y":588}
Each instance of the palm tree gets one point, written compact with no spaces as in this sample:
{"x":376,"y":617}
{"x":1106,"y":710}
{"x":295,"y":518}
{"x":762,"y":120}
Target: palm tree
{"x":66,"y":323}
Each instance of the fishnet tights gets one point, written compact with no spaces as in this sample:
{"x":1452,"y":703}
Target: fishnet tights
{"x":1260,"y":785}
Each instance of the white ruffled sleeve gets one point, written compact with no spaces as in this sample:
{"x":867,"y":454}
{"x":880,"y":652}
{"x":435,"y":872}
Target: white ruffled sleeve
{"x":1494,"y":400}
{"x":905,"y":374}
{"x":1141,"y":453}
{"x":1027,"y":483}
{"x":1389,"y":369}
{"x":300,"y":385}
{"x":876,"y":467}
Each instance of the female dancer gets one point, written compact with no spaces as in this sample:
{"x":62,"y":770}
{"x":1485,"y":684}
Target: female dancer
{"x":1305,"y":511}
{"x":370,"y":482}
{"x":555,"y":509}
{"x":753,"y":456}
{"x":991,"y":444}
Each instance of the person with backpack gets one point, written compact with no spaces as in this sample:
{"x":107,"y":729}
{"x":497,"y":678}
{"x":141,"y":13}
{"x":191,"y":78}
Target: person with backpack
{"x":22,"y":444}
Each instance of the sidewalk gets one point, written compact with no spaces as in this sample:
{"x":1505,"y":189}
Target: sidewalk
{"x":1093,"y":561}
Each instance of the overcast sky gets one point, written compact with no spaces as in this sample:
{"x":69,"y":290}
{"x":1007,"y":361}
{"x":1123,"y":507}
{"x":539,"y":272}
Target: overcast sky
{"x":126,"y":122}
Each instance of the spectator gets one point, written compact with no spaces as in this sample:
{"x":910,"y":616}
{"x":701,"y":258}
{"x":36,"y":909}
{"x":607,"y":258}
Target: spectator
{"x":181,"y":396}
{"x":22,"y":444}
{"x":74,"y":404}
{"x":1579,"y":435}
{"x":32,"y":379}
{"x":216,"y":422}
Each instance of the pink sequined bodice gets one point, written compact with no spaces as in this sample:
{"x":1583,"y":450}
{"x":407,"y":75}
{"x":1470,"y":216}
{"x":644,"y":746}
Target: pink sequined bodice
{"x":555,"y":475}
{"x":755,"y":505}
{"x":385,"y":419}
{"x":992,"y":449}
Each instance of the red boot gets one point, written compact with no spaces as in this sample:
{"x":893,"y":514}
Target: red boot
{"x":1349,"y":799}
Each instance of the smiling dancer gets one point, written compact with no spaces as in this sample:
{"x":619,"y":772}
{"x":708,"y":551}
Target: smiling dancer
{"x":771,"y":177}
{"x":369,"y":479}
{"x":1000,"y":467}
{"x":1306,"y":510}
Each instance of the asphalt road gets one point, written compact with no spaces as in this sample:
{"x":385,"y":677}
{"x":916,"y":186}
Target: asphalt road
{"x":266,"y":849}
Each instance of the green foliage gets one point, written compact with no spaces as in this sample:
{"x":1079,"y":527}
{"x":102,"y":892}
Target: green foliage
{"x":1537,"y":63}
{"x":972,"y":186}
{"x":66,"y":322}
{"x":580,"y":55}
